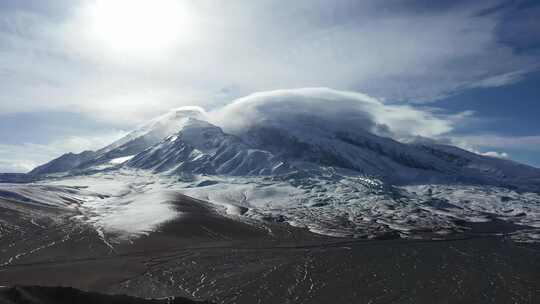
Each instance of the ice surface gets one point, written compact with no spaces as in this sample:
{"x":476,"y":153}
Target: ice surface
{"x":128,"y":203}
{"x":342,"y":205}
{"x":122,"y":203}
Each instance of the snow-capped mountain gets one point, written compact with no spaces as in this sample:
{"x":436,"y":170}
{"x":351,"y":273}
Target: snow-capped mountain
{"x":334,"y":173}
{"x":64,"y":163}
{"x":183,"y":142}
{"x":134,"y":142}
{"x":322,"y":127}
{"x":490,"y":169}
{"x":151,"y":133}
{"x":303,"y":141}
{"x":202,"y":148}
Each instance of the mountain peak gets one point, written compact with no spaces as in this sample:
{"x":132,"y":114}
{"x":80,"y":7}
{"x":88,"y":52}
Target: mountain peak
{"x":317,"y":128}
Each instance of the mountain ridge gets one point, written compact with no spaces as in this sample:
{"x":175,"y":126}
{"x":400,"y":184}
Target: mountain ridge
{"x":173,"y":143}
{"x":330,"y":174}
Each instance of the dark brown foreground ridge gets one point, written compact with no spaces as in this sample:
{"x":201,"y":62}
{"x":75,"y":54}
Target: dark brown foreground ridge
{"x":205,"y":256}
{"x":68,"y":295}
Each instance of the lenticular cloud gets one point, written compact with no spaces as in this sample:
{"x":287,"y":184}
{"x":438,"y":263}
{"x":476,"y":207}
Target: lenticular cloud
{"x":342,"y":109}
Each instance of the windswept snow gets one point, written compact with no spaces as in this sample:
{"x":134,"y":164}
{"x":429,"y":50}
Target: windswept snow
{"x":159,"y":127}
{"x":127,"y":203}
{"x":123,"y":204}
{"x":41,"y":195}
{"x":360,"y":206}
{"x":202,"y":148}
{"x":482,"y":203}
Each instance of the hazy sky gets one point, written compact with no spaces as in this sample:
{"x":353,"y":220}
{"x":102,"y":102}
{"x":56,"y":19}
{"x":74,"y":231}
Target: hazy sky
{"x":75,"y":75}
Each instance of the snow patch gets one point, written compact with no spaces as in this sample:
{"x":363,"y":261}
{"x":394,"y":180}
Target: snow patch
{"x":124,"y":203}
{"x":121,"y":160}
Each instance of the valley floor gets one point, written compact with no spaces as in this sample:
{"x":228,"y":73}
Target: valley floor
{"x":205,"y":256}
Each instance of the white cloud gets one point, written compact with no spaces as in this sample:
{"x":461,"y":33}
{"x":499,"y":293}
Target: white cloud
{"x":350,"y":110}
{"x":25,"y":157}
{"x":371,"y":46}
{"x":525,"y":143}
{"x":498,"y":145}
{"x":229,"y":49}
{"x":500,"y":80}
{"x":496,"y":154}
{"x":340,"y":108}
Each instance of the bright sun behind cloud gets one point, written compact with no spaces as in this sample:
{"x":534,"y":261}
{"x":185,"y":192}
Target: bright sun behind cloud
{"x":142,"y":27}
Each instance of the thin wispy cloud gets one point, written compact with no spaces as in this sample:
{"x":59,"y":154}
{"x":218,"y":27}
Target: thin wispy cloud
{"x":71,"y":63}
{"x":528,"y":143}
{"x":85,"y":57}
{"x":24,"y":157}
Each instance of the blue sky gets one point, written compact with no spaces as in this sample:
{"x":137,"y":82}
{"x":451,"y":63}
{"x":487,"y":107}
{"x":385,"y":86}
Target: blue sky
{"x":76,"y":75}
{"x":507,"y":118}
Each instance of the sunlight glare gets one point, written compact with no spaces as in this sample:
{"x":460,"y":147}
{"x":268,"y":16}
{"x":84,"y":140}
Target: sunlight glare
{"x":139,"y":26}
